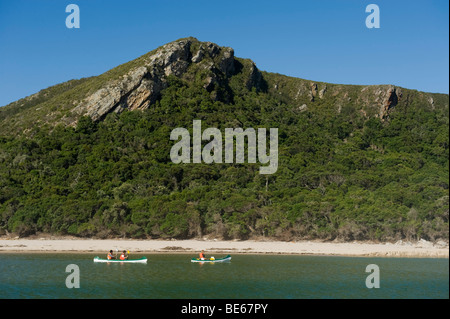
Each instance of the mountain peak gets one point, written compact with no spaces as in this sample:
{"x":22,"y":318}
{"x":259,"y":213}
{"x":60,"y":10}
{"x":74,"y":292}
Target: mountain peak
{"x":142,"y":84}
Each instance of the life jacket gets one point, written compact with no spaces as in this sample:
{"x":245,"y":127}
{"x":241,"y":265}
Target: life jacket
{"x":202,"y":255}
{"x":122,"y":257}
{"x":110,"y":256}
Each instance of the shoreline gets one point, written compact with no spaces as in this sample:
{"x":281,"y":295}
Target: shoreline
{"x":420,"y":249}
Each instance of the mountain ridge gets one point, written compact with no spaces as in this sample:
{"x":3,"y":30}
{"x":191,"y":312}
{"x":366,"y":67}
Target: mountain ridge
{"x":137,"y":84}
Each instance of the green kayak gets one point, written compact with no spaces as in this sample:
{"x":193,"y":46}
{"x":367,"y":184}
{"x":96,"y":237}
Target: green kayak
{"x":211,"y":260}
{"x":101,"y":260}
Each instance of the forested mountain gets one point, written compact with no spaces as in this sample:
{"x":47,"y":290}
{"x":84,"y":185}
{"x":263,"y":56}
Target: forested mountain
{"x":91,"y":157}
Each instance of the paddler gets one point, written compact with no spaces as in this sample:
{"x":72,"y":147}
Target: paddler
{"x":110,"y":255}
{"x":124,"y":255}
{"x":202,"y":255}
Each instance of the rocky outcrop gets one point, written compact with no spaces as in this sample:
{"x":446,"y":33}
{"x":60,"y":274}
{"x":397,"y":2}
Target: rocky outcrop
{"x":322,"y":92}
{"x":131,"y":91}
{"x":378,"y":100}
{"x":313,"y":92}
{"x":390,"y":98}
{"x":255,"y":78}
{"x":141,"y":86}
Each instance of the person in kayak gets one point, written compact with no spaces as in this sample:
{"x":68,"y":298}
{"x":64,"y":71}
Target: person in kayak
{"x":202,"y":255}
{"x":124,"y":256}
{"x":110,"y":255}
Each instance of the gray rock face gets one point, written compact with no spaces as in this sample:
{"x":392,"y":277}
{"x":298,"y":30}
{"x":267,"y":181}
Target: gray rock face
{"x":313,"y":92}
{"x":116,"y":96}
{"x":390,"y":98}
{"x":255,"y":78}
{"x":141,"y":86}
{"x":322,"y":92}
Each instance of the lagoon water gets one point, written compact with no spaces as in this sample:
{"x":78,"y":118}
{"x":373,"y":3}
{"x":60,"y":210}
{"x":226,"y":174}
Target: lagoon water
{"x":173,"y":276}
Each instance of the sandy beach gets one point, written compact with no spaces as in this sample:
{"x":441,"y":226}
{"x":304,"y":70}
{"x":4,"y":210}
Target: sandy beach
{"x":421,"y":248}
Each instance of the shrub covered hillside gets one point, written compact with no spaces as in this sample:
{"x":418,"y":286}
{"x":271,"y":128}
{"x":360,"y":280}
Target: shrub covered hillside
{"x":91,"y":157}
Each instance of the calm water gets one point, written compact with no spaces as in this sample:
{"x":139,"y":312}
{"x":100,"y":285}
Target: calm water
{"x":246,"y":276}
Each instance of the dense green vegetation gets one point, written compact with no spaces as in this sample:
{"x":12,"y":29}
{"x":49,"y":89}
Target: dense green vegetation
{"x":341,"y":174}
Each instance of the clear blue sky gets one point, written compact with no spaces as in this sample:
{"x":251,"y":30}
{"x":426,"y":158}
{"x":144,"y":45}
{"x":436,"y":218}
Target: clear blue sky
{"x":323,"y":40}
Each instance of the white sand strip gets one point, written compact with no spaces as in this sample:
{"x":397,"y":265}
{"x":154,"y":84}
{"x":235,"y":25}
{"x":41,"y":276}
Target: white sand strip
{"x":419,"y":249}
